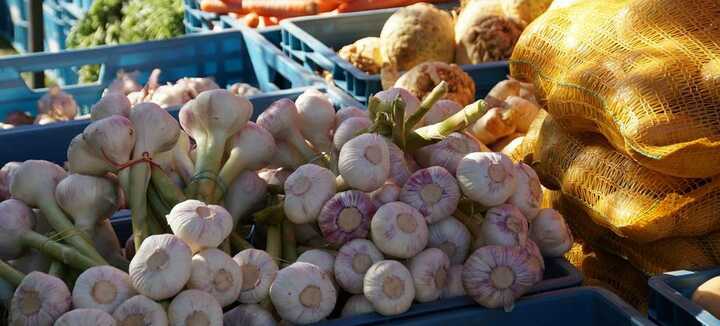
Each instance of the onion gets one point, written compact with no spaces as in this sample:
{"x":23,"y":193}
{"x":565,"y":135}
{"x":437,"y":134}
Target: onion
{"x":40,"y":299}
{"x":504,"y":226}
{"x":200,"y":225}
{"x":302,"y":293}
{"x":433,"y":192}
{"x":161,"y":266}
{"x":364,"y":162}
{"x":306,"y":190}
{"x":388,"y":285}
{"x":346,"y":216}
{"x":399,"y":230}
{"x":487,"y":178}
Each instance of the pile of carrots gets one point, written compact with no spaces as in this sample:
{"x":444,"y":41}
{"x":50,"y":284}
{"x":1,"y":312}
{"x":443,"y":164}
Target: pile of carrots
{"x":263,"y":13}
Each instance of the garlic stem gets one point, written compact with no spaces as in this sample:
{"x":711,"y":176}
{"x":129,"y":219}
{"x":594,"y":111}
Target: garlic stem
{"x":10,"y":274}
{"x":271,"y":215}
{"x":165,"y":187}
{"x":57,"y":269}
{"x":60,"y":252}
{"x":274,"y":242}
{"x":289,"y":247}
{"x":139,"y":181}
{"x":427,"y":103}
{"x":238,"y":243}
{"x":430,"y":134}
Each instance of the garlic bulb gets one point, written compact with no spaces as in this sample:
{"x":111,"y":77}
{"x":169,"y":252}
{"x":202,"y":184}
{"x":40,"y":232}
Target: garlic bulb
{"x":58,"y":103}
{"x":197,"y":85}
{"x":200,"y":225}
{"x":39,"y":300}
{"x":551,"y":233}
{"x":487,"y":178}
{"x":532,"y":250}
{"x":306,"y":190}
{"x":449,"y":152}
{"x":302,"y":293}
{"x":388,"y":285}
{"x":140,"y":310}
{"x":352,"y":261}
{"x":400,"y":167}
{"x":504,"y":225}
{"x":249,"y":315}
{"x":346,"y":216}
{"x":242,"y":89}
{"x":320,"y":258}
{"x":112,"y":103}
{"x":282,"y":120}
{"x":357,"y":305}
{"x":412,"y":103}
{"x":347,"y":113}
{"x":452,"y":237}
{"x":399,"y":230}
{"x":195,"y":307}
{"x":258,"y":272}
{"x":440,"y":111}
{"x":161,"y":266}
{"x":389,"y":192}
{"x":528,"y":194}
{"x":11,"y":228}
{"x":429,"y":270}
{"x":103,"y":288}
{"x":317,"y":119}
{"x":82,"y":159}
{"x":453,"y":285}
{"x":85,"y":317}
{"x":433,"y":192}
{"x":87,"y":200}
{"x":6,"y":175}
{"x":349,"y":129}
{"x":494,"y":276}
{"x":245,"y":194}
{"x":365,"y":162}
{"x":214,"y":272}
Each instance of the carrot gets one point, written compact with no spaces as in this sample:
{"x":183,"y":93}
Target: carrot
{"x":251,"y":20}
{"x":219,"y":7}
{"x":286,"y":8}
{"x":362,"y":5}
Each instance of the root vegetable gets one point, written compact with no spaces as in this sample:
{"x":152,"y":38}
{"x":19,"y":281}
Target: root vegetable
{"x":140,"y":310}
{"x":111,"y":139}
{"x":429,"y":271}
{"x":110,"y":104}
{"x":364,"y":54}
{"x":494,"y":276}
{"x":399,"y":230}
{"x":320,"y":258}
{"x":302,"y":293}
{"x":259,"y":271}
{"x":504,"y":225}
{"x":452,"y":237}
{"x":200,"y":225}
{"x":495,"y":124}
{"x":706,"y":295}
{"x":551,"y":233}
{"x":17,"y":218}
{"x":245,"y":194}
{"x":389,"y":192}
{"x":364,"y":162}
{"x":510,"y":87}
{"x":346,"y":216}
{"x":423,"y":78}
{"x":85,"y":317}
{"x":161,"y":266}
{"x":433,"y":192}
{"x":195,"y":307}
{"x":282,"y":120}
{"x":442,"y":110}
{"x":528,"y":194}
{"x":87,"y":200}
{"x":487,"y":178}
{"x":347,"y":113}
{"x":306,"y":190}
{"x":388,"y":285}
{"x":357,"y":305}
{"x":103,"y":288}
{"x":216,"y":273}
{"x":524,"y":110}
{"x":449,"y":152}
{"x":249,"y":315}
{"x":526,"y":11}
{"x":351,"y":263}
{"x":349,"y":129}
{"x":317,"y":119}
{"x":39,"y":299}
{"x":483,"y":33}
{"x":453,"y":285}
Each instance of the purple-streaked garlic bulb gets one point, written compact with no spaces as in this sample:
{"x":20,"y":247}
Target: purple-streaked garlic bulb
{"x":487,"y":178}
{"x":347,"y":113}
{"x":17,"y":218}
{"x":400,"y":167}
{"x":110,"y":104}
{"x":504,"y":225}
{"x":551,"y":233}
{"x":317,"y":119}
{"x":249,"y":315}
{"x":346,"y":216}
{"x":364,"y":162}
{"x":349,"y":129}
{"x":282,"y":120}
{"x":58,"y":103}
{"x":532,"y":250}
{"x":140,"y":310}
{"x":528,"y":193}
{"x":412,"y":103}
{"x":200,"y":225}
{"x":356,"y":305}
{"x":258,"y":272}
{"x":453,"y":285}
{"x":389,"y":192}
{"x":433,"y":192}
{"x":40,"y":299}
{"x":102,"y":287}
{"x":494,"y":276}
{"x":449,"y":152}
{"x":6,"y":175}
{"x":399,"y":230}
{"x":195,"y":307}
{"x":429,"y":270}
{"x":389,"y":286}
{"x":303,"y":294}
{"x":320,"y":258}
{"x":352,"y":261}
{"x":452,"y":237}
{"x":85,"y":317}
{"x":161,"y":266}
{"x":245,"y":194}
{"x":216,"y":273}
{"x":306,"y":191}
{"x":440,"y":111}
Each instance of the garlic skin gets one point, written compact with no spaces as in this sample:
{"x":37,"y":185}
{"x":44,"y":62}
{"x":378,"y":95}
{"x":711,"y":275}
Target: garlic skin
{"x":504,"y":225}
{"x":412,"y":103}
{"x":449,"y":152}
{"x":216,"y":273}
{"x":400,"y":166}
{"x":440,"y":111}
{"x":6,"y":175}
{"x":85,"y":317}
{"x":306,"y":190}
{"x":494,"y":276}
{"x":453,"y":285}
{"x":346,"y":216}
{"x":347,"y":113}
{"x":364,"y":162}
{"x":282,"y":120}
{"x":39,"y":300}
{"x":429,"y":271}
{"x":275,"y":177}
{"x":161,"y":266}
{"x":112,"y":103}
{"x":317,"y":118}
{"x":399,"y":230}
{"x":249,"y":315}
{"x":302,"y":293}
{"x":389,"y":192}
{"x":103,"y":288}
{"x":349,"y":129}
{"x":551,"y":234}
{"x":388,"y":285}
{"x":200,"y":225}
{"x":258,"y":272}
{"x":195,"y":307}
{"x":58,"y":103}
{"x":357,"y":305}
{"x":242,"y":89}
{"x":245,"y":194}
{"x":452,"y":237}
{"x":532,"y":250}
{"x":140,"y":310}
{"x":528,"y":193}
{"x":17,"y":218}
{"x":87,"y":200}
{"x":487,"y":178}
{"x":433,"y":192}
{"x":352,"y":262}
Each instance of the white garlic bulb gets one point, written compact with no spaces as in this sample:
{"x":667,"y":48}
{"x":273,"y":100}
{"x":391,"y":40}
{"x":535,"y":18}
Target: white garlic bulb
{"x":454,"y":285}
{"x":452,"y":237}
{"x":195,"y":307}
{"x":249,"y":315}
{"x":200,"y":225}
{"x":551,"y":233}
{"x":528,"y":193}
{"x":258,"y":272}
{"x":357,"y":305}
{"x":306,"y":190}
{"x":364,"y":162}
{"x":140,"y":310}
{"x":487,"y":178}
{"x":388,"y":285}
{"x":103,"y":288}
{"x":302,"y":293}
{"x":429,"y":270}
{"x":399,"y":230}
{"x":352,"y":261}
{"x":85,"y":317}
{"x":215,"y":272}
{"x":433,"y":192}
{"x":161,"y":266}
{"x":39,"y":300}
{"x":320,"y":258}
{"x":346,"y":216}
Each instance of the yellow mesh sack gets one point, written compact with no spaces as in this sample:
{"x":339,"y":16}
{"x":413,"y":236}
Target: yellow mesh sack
{"x":618,"y":193}
{"x":618,"y":276}
{"x":643,"y":73}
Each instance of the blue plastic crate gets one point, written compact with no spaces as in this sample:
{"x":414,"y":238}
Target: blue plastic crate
{"x":670,"y":298}
{"x":6,"y":26}
{"x":198,"y":21}
{"x":20,"y":28}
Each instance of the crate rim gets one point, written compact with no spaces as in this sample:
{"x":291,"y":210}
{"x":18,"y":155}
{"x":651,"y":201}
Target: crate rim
{"x":659,"y":286}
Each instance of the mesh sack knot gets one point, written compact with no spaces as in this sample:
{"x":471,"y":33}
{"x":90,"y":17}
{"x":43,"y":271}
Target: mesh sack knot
{"x":643,"y":73}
